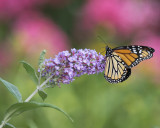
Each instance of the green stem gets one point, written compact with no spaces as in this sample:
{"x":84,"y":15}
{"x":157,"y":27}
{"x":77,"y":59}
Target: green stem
{"x":39,"y":87}
{"x":3,"y":123}
{"x":39,"y":79}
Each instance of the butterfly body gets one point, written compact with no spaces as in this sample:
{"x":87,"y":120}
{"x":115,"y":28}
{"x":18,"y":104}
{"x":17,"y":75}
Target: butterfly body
{"x":120,"y":60}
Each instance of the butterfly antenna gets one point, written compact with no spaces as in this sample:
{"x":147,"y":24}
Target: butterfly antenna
{"x":99,"y":37}
{"x":102,"y":51}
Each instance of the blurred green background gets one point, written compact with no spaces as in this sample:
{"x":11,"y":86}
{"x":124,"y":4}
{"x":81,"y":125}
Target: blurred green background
{"x":29,"y":26}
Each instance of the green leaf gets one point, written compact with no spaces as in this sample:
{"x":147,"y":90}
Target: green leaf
{"x":31,"y":123}
{"x":13,"y":89}
{"x":19,"y":108}
{"x":8,"y":125}
{"x":41,"y":58}
{"x":30,"y":70}
{"x":42,"y":94}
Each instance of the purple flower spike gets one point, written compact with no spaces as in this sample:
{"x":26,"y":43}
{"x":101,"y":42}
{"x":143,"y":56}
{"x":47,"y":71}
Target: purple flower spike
{"x":65,"y":66}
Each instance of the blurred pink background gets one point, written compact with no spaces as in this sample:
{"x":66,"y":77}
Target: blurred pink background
{"x":29,"y":26}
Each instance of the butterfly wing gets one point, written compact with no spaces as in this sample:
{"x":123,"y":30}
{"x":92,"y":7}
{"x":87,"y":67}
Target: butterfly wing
{"x":133,"y":55}
{"x":115,"y":71}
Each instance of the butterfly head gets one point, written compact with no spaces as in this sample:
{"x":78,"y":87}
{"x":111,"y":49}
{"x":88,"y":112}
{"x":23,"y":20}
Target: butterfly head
{"x":108,"y":51}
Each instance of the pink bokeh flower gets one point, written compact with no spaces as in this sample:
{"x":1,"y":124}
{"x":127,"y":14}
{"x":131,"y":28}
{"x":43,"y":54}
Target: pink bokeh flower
{"x":33,"y":32}
{"x":122,"y":16}
{"x":12,"y":8}
{"x":152,"y":66}
{"x":9,"y":8}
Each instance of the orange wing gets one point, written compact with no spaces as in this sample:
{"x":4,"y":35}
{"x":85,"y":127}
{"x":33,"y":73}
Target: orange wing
{"x":115,"y":71}
{"x":133,"y":55}
{"x":127,"y":56}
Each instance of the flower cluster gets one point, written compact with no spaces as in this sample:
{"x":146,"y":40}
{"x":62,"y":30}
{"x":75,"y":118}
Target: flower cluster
{"x":65,"y":66}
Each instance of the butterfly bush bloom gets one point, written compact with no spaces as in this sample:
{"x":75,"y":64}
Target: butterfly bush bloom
{"x":66,"y":66}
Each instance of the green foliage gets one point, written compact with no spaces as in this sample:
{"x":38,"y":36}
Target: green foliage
{"x":41,"y":59}
{"x":18,"y":108}
{"x":13,"y":89}
{"x":30,"y":70}
{"x":42,"y":94}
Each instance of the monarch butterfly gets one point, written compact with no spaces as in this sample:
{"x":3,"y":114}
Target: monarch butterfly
{"x":120,"y":60}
